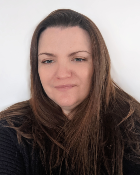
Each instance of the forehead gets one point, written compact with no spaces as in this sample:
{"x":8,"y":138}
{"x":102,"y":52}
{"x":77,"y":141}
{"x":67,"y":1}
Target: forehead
{"x":54,"y":38}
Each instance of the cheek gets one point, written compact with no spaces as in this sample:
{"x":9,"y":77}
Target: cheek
{"x":87,"y":80}
{"x":46,"y":72}
{"x":90,"y":72}
{"x":43,"y":76}
{"x":46,"y":79}
{"x":86,"y":75}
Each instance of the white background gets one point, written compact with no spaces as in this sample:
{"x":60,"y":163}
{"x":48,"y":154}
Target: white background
{"x":118,"y":21}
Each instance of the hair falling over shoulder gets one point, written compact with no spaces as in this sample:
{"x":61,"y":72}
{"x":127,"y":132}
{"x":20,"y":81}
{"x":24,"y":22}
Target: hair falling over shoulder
{"x":104,"y":126}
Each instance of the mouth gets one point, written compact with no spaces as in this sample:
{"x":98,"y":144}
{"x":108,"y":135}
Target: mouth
{"x":65,"y":87}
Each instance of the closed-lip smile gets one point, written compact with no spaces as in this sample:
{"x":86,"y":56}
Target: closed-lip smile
{"x":65,"y":87}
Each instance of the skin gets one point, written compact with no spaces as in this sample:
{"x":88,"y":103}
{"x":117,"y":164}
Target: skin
{"x":65,"y":65}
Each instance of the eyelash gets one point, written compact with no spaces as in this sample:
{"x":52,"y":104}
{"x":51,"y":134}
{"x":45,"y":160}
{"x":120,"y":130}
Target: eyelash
{"x":79,"y":59}
{"x":75,"y":59}
{"x":47,"y":61}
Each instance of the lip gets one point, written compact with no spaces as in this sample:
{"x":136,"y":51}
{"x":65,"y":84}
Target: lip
{"x":65,"y":87}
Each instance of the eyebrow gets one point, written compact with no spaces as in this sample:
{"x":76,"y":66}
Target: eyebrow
{"x":71,"y":54}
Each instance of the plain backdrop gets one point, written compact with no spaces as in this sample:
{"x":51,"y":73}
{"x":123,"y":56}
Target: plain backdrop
{"x":118,"y":21}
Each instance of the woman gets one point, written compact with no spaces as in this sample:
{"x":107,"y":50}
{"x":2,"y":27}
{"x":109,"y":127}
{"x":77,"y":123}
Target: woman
{"x":78,"y":121}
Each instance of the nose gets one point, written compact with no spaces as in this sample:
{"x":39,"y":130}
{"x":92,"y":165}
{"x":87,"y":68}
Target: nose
{"x":63,"y":71}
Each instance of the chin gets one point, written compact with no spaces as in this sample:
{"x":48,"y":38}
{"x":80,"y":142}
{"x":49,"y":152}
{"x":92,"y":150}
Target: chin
{"x":68,"y":104}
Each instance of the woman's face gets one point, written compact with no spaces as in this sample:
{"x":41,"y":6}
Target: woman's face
{"x":65,"y":65}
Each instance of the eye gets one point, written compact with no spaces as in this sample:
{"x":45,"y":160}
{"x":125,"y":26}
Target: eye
{"x":47,"y":61}
{"x":79,"y":59}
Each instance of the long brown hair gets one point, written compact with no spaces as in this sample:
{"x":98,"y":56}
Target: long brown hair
{"x":103,"y":126}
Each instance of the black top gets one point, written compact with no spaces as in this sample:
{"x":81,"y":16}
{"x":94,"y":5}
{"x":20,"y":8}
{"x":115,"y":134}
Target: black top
{"x":17,"y":159}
